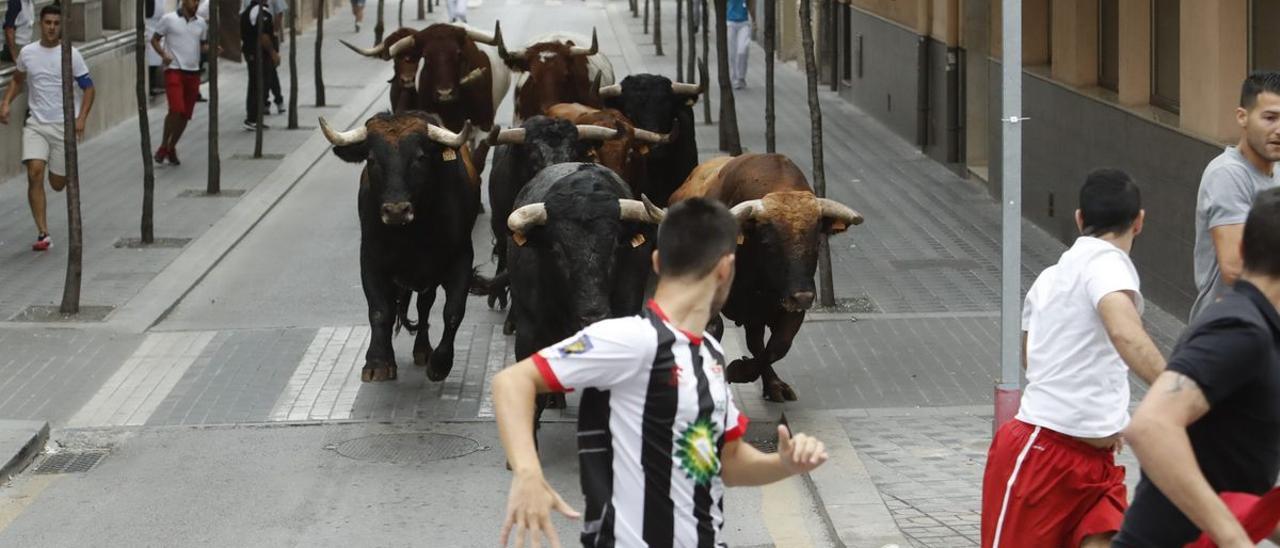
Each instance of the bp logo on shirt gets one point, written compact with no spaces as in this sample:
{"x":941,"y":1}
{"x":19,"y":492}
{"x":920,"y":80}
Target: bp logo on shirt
{"x":696,"y":450}
{"x":580,"y":346}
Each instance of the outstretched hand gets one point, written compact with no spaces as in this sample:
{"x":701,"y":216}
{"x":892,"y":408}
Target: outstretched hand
{"x":801,"y":453}
{"x":529,"y":511}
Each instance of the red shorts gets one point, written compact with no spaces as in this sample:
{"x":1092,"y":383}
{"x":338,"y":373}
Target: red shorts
{"x":1044,"y":488}
{"x":182,"y":88}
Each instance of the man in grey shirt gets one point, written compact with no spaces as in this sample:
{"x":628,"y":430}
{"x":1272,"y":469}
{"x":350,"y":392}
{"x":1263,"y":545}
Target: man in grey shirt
{"x":1230,"y":183}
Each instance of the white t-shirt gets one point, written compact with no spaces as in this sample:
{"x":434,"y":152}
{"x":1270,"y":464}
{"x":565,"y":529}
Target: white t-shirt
{"x":43,"y":67}
{"x":1077,"y":383}
{"x":182,"y":39}
{"x":656,"y":412}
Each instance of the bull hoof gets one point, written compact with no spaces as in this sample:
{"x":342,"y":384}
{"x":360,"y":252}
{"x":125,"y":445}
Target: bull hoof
{"x":378,"y":372}
{"x":778,"y":391}
{"x":421,"y":359}
{"x":508,"y":327}
{"x":440,"y":363}
{"x":742,"y":370}
{"x":498,"y":298}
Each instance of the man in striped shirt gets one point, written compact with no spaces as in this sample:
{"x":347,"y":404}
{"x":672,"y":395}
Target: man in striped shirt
{"x":659,"y":436}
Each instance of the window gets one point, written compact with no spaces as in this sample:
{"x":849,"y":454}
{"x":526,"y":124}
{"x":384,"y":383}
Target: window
{"x":1109,"y":44}
{"x":846,"y":60}
{"x":1265,"y":47}
{"x":1164,"y":54}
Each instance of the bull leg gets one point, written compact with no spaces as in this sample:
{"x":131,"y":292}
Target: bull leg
{"x":746,"y":369}
{"x":499,"y":294}
{"x":380,"y":359}
{"x":781,"y":335}
{"x":422,"y":342}
{"x":455,"y":307}
{"x":526,"y":345}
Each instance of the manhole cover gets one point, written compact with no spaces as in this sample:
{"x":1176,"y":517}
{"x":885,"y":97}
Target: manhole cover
{"x":156,"y":243}
{"x":223,"y":193}
{"x":53,"y":314}
{"x":70,"y":462}
{"x":408,"y":448}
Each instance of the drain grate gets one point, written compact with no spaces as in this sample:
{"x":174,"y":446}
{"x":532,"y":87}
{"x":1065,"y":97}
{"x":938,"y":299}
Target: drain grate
{"x":156,"y":243}
{"x":53,"y":314}
{"x":407,"y":448}
{"x":70,"y":462}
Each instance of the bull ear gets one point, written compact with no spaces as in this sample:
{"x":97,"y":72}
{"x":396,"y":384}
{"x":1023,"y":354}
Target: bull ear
{"x":354,"y":153}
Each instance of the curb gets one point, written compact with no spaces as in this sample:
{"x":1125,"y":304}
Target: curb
{"x":848,"y":500}
{"x":167,"y":289}
{"x":30,"y":437}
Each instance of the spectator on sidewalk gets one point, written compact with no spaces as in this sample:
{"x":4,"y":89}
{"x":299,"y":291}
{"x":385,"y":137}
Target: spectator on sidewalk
{"x":1082,"y":335}
{"x":663,"y":437}
{"x":19,"y":27}
{"x":39,"y":68}
{"x":738,"y":18}
{"x":184,"y":36}
{"x":154,"y":11}
{"x":1229,"y":184}
{"x":256,"y":46}
{"x":1211,"y":423}
{"x":357,"y":10}
{"x":457,"y":10}
{"x":277,"y":8}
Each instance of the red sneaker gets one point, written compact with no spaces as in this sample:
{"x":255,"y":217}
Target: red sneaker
{"x":43,"y":243}
{"x":161,"y":154}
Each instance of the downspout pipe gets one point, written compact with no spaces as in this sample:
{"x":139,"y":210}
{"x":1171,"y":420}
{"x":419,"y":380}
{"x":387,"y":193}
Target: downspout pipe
{"x":922,"y":69}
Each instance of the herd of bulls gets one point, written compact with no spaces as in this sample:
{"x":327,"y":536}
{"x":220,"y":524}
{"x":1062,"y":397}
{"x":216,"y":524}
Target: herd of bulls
{"x":578,"y":185}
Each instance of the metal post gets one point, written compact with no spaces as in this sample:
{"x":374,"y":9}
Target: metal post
{"x":1008,"y":392}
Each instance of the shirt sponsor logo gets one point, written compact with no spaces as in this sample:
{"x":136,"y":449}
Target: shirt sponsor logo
{"x":580,"y":346}
{"x":696,"y":451}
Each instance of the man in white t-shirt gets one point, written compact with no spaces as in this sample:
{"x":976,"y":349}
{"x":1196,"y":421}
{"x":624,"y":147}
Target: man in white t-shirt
{"x":184,"y":36}
{"x":19,"y":25}
{"x":659,"y":437}
{"x":1051,"y":475}
{"x":39,"y":70}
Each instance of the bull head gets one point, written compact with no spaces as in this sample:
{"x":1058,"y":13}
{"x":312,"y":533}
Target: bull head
{"x":356,"y":137}
{"x":838,"y":215}
{"x":525,"y":218}
{"x":517,"y":59}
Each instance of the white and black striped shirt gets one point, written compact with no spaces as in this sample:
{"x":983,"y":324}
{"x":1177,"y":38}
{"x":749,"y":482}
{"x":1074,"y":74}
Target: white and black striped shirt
{"x":656,"y":412}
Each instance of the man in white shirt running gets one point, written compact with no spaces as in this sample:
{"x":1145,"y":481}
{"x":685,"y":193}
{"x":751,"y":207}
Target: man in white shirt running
{"x":184,"y":35}
{"x":39,"y":71}
{"x":1051,"y":477}
{"x":659,"y":436}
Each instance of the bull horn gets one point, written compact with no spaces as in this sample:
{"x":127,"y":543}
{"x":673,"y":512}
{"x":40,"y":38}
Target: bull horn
{"x":376,"y":51}
{"x":748,"y":210}
{"x":506,"y":55}
{"x":449,"y":138}
{"x":476,"y":35}
{"x":611,"y":90}
{"x":595,"y":133}
{"x":473,"y":76}
{"x":640,"y":211}
{"x":341,"y":138}
{"x":400,"y":45}
{"x":682,"y":88}
{"x":528,"y":216}
{"x":595,"y":46}
{"x":513,"y":136}
{"x":653,"y":136}
{"x":840,"y":212}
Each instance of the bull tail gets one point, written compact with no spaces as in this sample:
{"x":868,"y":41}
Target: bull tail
{"x":402,"y":313}
{"x":489,"y":286}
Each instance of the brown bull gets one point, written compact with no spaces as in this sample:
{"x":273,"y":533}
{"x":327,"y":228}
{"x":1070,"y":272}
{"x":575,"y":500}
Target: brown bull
{"x":625,"y":154}
{"x":782,"y":221}
{"x":555,"y":72}
{"x":461,"y":78}
{"x":403,"y":94}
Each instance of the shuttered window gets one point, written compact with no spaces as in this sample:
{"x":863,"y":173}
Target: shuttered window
{"x":1109,"y":44}
{"x":1264,"y":34}
{"x":1165,"y":29}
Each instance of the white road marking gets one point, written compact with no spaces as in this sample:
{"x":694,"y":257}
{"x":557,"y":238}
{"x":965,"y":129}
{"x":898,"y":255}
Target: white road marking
{"x":134,"y":392}
{"x":325,"y":384}
{"x":497,"y":360}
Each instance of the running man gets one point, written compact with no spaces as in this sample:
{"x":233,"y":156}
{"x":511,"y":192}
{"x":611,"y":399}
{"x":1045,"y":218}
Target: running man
{"x":738,"y":21}
{"x":1230,"y":183}
{"x":184,"y":34}
{"x":1051,"y":475}
{"x":659,"y":436}
{"x":457,"y":10}
{"x":39,"y":69}
{"x":1211,"y":422}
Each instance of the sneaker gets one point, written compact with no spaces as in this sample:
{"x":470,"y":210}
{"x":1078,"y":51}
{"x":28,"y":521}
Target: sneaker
{"x":43,"y":243}
{"x":279,"y":108}
{"x":251,"y":126}
{"x":173,"y":157}
{"x":161,"y":154}
{"x":200,"y":98}
{"x":357,"y":27}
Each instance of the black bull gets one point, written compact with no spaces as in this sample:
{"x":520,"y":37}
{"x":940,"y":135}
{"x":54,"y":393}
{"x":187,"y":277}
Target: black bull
{"x":418,"y":199}
{"x":655,"y":103}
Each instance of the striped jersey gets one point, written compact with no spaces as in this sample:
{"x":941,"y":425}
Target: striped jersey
{"x":656,"y":412}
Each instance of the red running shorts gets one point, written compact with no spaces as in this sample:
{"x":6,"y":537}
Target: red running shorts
{"x":182,"y":89}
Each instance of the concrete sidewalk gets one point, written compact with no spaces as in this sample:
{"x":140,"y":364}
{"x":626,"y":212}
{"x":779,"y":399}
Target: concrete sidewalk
{"x":111,"y":183}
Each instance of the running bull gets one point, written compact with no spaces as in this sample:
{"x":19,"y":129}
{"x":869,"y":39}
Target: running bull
{"x":419,"y":197}
{"x":555,"y":68}
{"x":626,"y":153}
{"x":782,"y":221}
{"x":654,"y":103}
{"x":462,"y":77}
